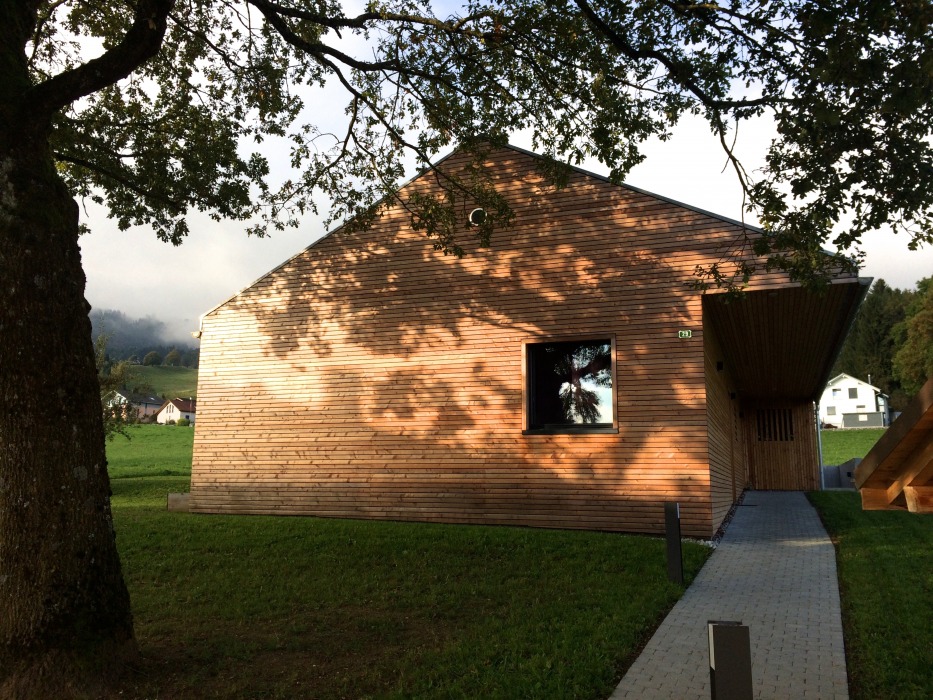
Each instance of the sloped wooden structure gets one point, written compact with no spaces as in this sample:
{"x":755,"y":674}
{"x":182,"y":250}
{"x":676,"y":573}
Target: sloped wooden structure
{"x":897,"y":474}
{"x":371,"y":376}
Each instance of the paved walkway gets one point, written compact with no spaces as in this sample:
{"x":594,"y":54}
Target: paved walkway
{"x":775,"y":571}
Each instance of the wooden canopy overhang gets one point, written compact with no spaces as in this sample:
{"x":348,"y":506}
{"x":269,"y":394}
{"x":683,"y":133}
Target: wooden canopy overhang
{"x":897,"y":473}
{"x":781,"y":343}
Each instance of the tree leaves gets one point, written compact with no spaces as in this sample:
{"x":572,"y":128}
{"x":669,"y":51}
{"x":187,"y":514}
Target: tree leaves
{"x":848,"y":84}
{"x":913,"y":364}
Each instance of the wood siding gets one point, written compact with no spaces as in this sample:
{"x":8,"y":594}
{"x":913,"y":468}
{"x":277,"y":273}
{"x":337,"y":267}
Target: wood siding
{"x":782,"y":446}
{"x":371,"y":376}
{"x":727,"y":464}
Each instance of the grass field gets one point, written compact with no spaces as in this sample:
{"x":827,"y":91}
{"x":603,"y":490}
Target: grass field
{"x":151,"y":450}
{"x":250,"y":606}
{"x":239,"y":606}
{"x":840,"y":446}
{"x":885,"y":565}
{"x":171,"y":382}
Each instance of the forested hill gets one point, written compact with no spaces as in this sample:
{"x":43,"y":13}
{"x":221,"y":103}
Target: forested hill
{"x":135,"y":339}
{"x":890,"y":344}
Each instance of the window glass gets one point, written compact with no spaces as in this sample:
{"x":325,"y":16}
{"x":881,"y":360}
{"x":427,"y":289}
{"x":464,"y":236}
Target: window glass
{"x":570,"y":385}
{"x":830,"y":410}
{"x":853,"y":393}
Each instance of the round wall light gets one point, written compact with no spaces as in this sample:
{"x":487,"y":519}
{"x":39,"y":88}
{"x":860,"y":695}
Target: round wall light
{"x":477,"y":217}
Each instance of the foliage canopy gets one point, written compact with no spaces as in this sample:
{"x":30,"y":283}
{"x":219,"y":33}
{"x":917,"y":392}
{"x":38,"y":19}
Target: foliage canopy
{"x":913,"y":363}
{"x":890,"y":344}
{"x":847,"y":83}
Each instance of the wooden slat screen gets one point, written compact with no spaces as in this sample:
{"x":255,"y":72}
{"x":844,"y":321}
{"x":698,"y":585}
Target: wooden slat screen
{"x":775,"y":424}
{"x":782,"y":447}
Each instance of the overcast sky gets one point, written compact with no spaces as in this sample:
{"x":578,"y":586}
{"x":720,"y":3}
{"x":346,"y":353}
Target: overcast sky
{"x":134,"y":272}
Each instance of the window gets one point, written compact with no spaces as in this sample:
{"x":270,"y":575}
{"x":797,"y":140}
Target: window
{"x":569,"y":386}
{"x":830,"y":410}
{"x":837,"y":393}
{"x":853,"y":393}
{"x":775,"y":425}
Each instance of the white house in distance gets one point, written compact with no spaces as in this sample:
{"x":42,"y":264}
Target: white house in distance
{"x":176,"y":409}
{"x":143,"y":404}
{"x":848,"y":402}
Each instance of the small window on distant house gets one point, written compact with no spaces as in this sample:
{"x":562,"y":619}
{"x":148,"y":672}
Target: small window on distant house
{"x":569,"y":386}
{"x":853,"y":393}
{"x":830,"y":410}
{"x":837,"y":393}
{"x":863,"y":418}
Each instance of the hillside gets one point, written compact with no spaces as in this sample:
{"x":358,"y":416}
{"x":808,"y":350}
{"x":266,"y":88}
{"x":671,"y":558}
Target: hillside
{"x":170,"y":382}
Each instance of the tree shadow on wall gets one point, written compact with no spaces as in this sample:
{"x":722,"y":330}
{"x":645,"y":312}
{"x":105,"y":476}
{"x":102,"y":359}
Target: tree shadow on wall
{"x":412,"y":365}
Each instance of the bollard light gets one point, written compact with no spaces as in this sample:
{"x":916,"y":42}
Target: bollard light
{"x":675,"y":560}
{"x":730,"y":661}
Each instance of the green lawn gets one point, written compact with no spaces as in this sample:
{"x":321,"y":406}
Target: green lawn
{"x":839,"y":446}
{"x":171,"y":382}
{"x":151,"y":450}
{"x":250,"y":606}
{"x":885,"y":564}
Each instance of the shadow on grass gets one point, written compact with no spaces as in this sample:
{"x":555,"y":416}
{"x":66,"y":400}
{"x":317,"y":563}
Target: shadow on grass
{"x":252,"y":606}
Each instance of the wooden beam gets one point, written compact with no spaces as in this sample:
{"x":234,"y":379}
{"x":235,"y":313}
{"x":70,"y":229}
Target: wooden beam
{"x":875,"y":499}
{"x":916,"y":465}
{"x":919,"y":499}
{"x":900,"y":430}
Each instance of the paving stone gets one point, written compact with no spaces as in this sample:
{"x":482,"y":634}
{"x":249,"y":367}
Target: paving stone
{"x":775,"y":571}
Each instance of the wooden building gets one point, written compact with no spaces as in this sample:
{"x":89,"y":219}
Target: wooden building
{"x":567,"y":376}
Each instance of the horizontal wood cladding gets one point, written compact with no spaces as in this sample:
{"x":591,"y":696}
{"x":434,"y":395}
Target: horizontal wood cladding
{"x":371,"y":376}
{"x":726,"y":448}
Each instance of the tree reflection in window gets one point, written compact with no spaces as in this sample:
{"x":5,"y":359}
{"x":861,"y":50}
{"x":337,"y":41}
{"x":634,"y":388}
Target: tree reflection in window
{"x":570,"y":384}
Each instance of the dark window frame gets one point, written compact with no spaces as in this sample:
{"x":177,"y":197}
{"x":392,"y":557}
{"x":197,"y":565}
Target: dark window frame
{"x":528,"y":394}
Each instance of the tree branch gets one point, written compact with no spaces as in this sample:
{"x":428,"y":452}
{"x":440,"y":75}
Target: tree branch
{"x":140,"y":43}
{"x":677,"y":71}
{"x":178,"y":207}
{"x":360,"y":21}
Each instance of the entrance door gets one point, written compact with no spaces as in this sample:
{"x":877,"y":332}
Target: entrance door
{"x":782,"y":447}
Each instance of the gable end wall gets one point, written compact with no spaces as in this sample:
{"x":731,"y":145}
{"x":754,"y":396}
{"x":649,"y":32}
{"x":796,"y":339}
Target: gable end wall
{"x":373,"y":377}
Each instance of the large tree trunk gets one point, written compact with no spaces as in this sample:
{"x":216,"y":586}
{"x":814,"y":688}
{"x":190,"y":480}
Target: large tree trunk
{"x":64,"y":608}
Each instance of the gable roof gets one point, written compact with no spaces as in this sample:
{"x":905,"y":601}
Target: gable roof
{"x":183,"y":405}
{"x":632,"y":188}
{"x":780,"y":339}
{"x":515,"y":149}
{"x":843,"y":375}
{"x":139,"y":398}
{"x":897,"y":473}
